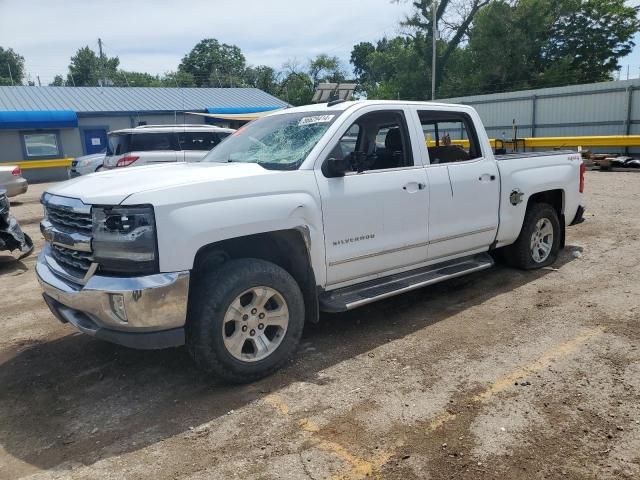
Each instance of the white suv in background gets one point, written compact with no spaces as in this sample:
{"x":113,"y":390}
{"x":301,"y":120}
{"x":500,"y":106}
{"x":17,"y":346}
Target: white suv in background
{"x":151,"y":144}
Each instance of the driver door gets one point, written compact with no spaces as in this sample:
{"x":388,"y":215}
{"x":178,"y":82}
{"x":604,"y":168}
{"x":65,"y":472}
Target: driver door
{"x":375,"y":216}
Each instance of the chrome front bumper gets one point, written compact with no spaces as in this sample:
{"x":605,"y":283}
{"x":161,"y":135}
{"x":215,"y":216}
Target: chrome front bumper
{"x":139,"y":312}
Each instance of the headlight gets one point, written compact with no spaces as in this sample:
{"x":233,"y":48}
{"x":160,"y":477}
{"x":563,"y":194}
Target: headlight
{"x":124,"y":239}
{"x":83,"y":163}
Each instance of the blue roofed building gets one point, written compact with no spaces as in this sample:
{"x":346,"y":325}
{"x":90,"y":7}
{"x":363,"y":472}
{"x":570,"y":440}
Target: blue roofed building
{"x":43,"y":128}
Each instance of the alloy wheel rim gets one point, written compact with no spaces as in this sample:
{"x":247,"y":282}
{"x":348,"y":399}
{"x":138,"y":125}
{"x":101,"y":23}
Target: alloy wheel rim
{"x":255,"y":324}
{"x":542,"y":240}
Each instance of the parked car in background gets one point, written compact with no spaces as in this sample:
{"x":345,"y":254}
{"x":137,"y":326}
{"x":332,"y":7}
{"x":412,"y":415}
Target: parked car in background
{"x":12,"y":181}
{"x":151,"y":144}
{"x":87,"y":164}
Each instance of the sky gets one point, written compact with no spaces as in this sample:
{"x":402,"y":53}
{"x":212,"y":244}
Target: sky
{"x":153,"y":35}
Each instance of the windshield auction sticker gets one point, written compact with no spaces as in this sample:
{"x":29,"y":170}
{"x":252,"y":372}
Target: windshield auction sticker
{"x":315,"y":119}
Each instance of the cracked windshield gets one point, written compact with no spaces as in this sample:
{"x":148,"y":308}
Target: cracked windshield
{"x":277,"y":142}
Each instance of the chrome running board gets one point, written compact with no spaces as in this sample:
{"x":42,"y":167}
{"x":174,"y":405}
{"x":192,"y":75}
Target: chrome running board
{"x":354,"y":296}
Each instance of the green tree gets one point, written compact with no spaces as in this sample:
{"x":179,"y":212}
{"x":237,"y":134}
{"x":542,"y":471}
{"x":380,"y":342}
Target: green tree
{"x":453,"y":18}
{"x":214,"y":64}
{"x":393,"y":68}
{"x":11,"y":67}
{"x":263,"y":77}
{"x":124,"y":78}
{"x":58,"y":81}
{"x":297,"y":86}
{"x":542,"y":43}
{"x":325,"y":68}
{"x":89,"y":69}
{"x":590,"y":37}
{"x":177,"y":79}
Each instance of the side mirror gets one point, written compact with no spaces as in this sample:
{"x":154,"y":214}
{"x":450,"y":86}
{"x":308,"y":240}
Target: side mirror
{"x":335,"y":167}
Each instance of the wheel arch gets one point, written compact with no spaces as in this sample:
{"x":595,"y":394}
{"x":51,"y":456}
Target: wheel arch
{"x":555,"y":198}
{"x":289,"y":249}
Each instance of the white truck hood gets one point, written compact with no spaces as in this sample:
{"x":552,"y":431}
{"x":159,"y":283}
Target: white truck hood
{"x":112,"y":187}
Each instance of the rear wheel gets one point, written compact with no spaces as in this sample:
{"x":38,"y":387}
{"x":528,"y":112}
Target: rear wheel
{"x":539,"y":241}
{"x":245,"y":319}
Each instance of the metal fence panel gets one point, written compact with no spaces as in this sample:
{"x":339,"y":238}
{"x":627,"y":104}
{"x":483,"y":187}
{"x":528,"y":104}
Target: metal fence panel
{"x":607,"y":108}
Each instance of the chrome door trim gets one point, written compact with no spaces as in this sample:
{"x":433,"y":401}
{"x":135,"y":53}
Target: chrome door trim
{"x":412,"y":246}
{"x":376,"y":254}
{"x":460,"y":235}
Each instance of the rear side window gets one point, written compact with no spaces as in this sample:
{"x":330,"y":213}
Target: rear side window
{"x":120,"y":144}
{"x":150,"y":142}
{"x":200,"y":140}
{"x":450,"y":136}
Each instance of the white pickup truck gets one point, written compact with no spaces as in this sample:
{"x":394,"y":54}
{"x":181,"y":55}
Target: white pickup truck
{"x":316,"y":208}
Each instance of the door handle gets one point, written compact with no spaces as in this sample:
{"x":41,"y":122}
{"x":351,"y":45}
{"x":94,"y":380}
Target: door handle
{"x":485,"y":177}
{"x":411,"y":186}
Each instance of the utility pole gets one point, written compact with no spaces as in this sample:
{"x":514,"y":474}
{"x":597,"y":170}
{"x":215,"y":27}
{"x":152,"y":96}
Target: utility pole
{"x":10,"y":76}
{"x":102,"y":79}
{"x":434,"y":36}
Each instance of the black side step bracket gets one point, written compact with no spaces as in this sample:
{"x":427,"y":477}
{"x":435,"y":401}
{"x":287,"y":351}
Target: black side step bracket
{"x":354,"y":296}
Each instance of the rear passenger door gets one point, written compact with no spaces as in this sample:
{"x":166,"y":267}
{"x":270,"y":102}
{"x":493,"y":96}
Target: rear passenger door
{"x":154,"y":147}
{"x":464,"y":185}
{"x":195,"y":145}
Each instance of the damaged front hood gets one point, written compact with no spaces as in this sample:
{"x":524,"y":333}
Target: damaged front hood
{"x":11,"y":235}
{"x":112,"y":187}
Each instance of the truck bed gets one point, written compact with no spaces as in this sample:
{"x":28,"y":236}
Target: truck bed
{"x":516,"y":155}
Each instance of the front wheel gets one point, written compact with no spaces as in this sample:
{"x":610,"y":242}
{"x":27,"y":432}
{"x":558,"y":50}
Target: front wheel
{"x":539,"y":241}
{"x":245,"y":319}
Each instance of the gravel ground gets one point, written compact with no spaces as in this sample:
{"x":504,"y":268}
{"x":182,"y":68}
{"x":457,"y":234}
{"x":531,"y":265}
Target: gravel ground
{"x":502,"y":374}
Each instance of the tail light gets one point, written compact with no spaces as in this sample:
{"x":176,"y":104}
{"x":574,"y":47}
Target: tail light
{"x":16,"y":172}
{"x":582,"y":170}
{"x":126,"y":161}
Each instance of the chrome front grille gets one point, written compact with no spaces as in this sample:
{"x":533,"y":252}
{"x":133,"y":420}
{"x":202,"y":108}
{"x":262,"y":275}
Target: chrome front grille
{"x":74,"y":262}
{"x":68,"y":220}
{"x":67,"y":229}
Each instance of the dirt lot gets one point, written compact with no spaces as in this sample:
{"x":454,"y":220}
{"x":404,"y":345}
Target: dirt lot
{"x":503,"y":374}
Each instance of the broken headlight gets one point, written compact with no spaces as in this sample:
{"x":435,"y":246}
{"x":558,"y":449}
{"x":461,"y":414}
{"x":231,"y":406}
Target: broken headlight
{"x":124,"y":239}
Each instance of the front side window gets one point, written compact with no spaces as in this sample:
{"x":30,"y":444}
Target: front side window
{"x":41,"y":144}
{"x":450,"y":137}
{"x":376,"y":141}
{"x":277,"y":142}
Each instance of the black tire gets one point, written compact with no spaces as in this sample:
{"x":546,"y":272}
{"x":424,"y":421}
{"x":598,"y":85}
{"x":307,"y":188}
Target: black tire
{"x":519,"y":254}
{"x":208,"y":303}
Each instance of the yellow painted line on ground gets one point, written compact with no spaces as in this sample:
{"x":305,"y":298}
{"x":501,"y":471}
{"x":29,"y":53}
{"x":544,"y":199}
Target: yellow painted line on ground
{"x":359,"y":468}
{"x":276,"y":402}
{"x":31,"y":164}
{"x":543,"y":362}
{"x":509,"y":380}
